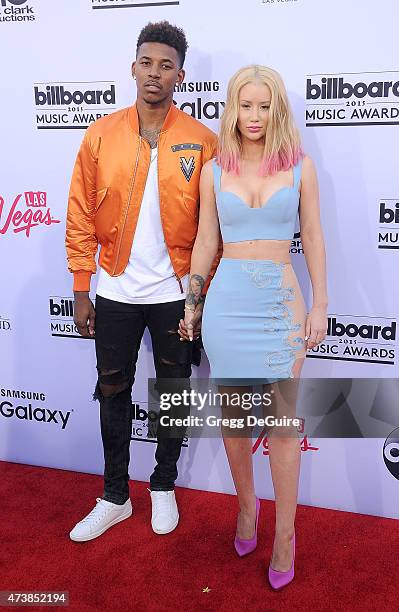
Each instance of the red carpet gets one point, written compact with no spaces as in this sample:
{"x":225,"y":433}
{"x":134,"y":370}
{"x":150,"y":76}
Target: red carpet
{"x":344,"y":561}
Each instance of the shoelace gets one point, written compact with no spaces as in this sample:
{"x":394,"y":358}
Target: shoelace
{"x":95,"y":514}
{"x":162,"y":502}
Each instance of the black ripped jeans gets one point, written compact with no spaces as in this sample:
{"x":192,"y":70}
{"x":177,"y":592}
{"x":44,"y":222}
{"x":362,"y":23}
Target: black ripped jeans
{"x":119,"y":331}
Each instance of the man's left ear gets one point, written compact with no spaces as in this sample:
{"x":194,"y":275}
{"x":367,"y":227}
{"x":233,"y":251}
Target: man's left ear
{"x":180,"y":76}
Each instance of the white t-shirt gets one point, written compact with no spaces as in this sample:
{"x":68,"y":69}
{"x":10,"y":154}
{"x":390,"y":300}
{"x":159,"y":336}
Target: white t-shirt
{"x":149,"y":277}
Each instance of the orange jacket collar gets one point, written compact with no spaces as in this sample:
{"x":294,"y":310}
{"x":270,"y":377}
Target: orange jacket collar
{"x":169,"y":119}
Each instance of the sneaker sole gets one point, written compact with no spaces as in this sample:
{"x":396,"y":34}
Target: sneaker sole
{"x":93,"y":536}
{"x":162,"y":531}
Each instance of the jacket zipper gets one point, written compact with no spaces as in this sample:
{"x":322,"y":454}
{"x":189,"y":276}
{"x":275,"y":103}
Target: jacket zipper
{"x":179,"y":281}
{"x":128,"y":206}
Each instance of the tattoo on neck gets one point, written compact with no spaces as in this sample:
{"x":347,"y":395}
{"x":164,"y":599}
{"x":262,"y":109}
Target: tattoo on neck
{"x":194,"y":291}
{"x":151,"y":136}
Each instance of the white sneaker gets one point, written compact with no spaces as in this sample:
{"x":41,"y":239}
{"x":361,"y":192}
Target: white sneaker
{"x":165,"y":514}
{"x":102,"y":517}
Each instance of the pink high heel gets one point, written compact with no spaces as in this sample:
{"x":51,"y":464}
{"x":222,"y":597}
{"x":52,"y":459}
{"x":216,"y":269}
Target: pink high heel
{"x":277,"y":579}
{"x":244,"y":547}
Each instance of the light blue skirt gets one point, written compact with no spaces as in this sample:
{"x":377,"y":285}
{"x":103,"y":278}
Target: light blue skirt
{"x":253,"y":322}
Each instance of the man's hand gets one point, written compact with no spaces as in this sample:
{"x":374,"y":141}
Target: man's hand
{"x":84,"y":314}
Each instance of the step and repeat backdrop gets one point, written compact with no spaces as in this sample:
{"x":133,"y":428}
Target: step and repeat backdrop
{"x":66,"y":63}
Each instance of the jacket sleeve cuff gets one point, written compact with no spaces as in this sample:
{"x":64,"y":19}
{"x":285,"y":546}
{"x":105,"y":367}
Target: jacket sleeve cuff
{"x":81,"y":280}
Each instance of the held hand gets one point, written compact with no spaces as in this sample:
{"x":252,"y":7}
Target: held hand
{"x":316,"y":326}
{"x":190,"y":328}
{"x":84,"y":315}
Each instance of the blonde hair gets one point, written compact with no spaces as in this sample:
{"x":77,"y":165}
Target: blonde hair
{"x":282,"y":143}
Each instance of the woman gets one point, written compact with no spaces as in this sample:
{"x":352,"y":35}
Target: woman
{"x":255,"y":325}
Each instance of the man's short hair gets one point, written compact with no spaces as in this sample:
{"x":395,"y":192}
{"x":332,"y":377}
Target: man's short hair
{"x":167,"y":34}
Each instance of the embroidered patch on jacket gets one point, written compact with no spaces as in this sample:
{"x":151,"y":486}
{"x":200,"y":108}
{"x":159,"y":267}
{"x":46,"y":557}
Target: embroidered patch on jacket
{"x":186,"y":146}
{"x":187,"y":167}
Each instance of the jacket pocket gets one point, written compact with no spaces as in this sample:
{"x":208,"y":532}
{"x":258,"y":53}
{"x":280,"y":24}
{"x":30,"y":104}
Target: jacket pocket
{"x":191,"y":206}
{"x":100,"y":196}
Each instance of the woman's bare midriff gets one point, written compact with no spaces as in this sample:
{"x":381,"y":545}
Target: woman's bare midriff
{"x":275,"y":250}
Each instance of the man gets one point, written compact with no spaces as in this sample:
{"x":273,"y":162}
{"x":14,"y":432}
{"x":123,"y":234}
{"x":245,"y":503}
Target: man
{"x":135,"y":191}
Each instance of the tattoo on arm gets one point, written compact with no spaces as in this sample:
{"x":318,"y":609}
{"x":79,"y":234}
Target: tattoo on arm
{"x":195,"y":286}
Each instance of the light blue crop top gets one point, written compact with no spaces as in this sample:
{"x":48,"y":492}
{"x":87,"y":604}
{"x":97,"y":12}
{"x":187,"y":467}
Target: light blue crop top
{"x":275,"y":220}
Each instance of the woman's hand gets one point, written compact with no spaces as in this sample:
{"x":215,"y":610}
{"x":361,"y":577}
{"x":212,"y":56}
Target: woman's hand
{"x":316,"y":326}
{"x":190,"y":328}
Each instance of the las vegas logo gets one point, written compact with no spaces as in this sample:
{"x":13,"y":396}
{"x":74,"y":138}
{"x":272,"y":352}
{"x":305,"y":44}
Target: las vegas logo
{"x":20,"y":219}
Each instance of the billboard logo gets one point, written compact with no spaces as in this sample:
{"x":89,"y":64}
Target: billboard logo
{"x":364,"y":98}
{"x":296,"y":244}
{"x":388,"y":224}
{"x":358,"y":338}
{"x":114,"y":4}
{"x":72,"y":105}
{"x":61,"y":311}
{"x":145,"y":423}
{"x":5,"y":324}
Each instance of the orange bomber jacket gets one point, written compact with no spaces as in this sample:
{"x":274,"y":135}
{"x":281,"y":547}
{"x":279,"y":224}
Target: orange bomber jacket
{"x":108,"y":183}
